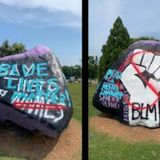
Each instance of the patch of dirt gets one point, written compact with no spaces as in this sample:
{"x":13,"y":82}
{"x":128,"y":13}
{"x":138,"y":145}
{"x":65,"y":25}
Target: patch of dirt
{"x":112,"y":127}
{"x":39,"y":147}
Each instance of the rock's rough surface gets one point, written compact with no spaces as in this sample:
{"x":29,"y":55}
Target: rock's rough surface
{"x":130,"y":89}
{"x":33,"y":92}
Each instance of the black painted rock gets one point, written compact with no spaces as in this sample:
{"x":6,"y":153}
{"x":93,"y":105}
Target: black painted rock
{"x":33,"y":92}
{"x":130,"y":89}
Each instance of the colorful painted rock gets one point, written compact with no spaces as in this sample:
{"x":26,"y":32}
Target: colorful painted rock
{"x":130,"y":89}
{"x":33,"y":92}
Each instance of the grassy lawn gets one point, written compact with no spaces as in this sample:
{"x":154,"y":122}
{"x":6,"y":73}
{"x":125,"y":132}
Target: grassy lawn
{"x":4,"y":157}
{"x":92,"y":111}
{"x":76,"y":95}
{"x":104,"y":147}
{"x":8,"y":158}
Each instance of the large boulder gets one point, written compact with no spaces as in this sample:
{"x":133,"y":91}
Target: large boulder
{"x":33,"y":92}
{"x":130,"y":89}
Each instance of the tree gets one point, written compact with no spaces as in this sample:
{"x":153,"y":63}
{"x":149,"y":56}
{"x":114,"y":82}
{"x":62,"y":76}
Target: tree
{"x":67,"y":71}
{"x":72,"y":71}
{"x":118,"y":40}
{"x":92,"y":68}
{"x":6,"y":49}
{"x":77,"y":71}
{"x":18,"y":48}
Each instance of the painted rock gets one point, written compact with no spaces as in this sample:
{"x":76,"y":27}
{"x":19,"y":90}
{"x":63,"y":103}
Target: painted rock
{"x":130,"y":89}
{"x":33,"y":92}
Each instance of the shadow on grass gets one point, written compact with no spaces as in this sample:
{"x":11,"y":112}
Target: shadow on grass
{"x":23,"y":144}
{"x":106,"y":115}
{"x":113,"y":117}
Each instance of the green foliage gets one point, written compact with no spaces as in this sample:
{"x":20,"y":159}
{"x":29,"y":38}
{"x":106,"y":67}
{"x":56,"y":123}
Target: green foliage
{"x":92,"y":67}
{"x":66,"y":71}
{"x":75,"y":71}
{"x":118,"y":40}
{"x":6,"y":49}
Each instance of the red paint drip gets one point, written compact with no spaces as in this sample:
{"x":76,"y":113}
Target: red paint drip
{"x":33,"y":105}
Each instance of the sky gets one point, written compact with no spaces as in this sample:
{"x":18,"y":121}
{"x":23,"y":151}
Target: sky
{"x":53,"y":23}
{"x":140,"y":17}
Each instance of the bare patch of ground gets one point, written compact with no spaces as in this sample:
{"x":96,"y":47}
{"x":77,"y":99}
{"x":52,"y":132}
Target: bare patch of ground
{"x":39,"y":147}
{"x":114,"y":128}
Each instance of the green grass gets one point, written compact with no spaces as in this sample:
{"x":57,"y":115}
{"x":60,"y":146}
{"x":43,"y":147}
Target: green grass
{"x":4,"y":157}
{"x":103,"y":147}
{"x":76,"y":96}
{"x":92,"y":110}
{"x":8,"y":158}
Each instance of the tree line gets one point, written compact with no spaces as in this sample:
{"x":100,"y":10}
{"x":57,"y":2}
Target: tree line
{"x":72,"y":71}
{"x":118,"y":41}
{"x":7,"y":49}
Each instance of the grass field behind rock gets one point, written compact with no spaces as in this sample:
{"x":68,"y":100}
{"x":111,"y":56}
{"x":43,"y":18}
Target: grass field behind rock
{"x":76,"y":95}
{"x":107,"y":147}
{"x":92,"y":111}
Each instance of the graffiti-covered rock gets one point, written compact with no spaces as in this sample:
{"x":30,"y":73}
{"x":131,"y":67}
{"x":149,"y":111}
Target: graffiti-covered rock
{"x":130,"y":89}
{"x":33,"y":91}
